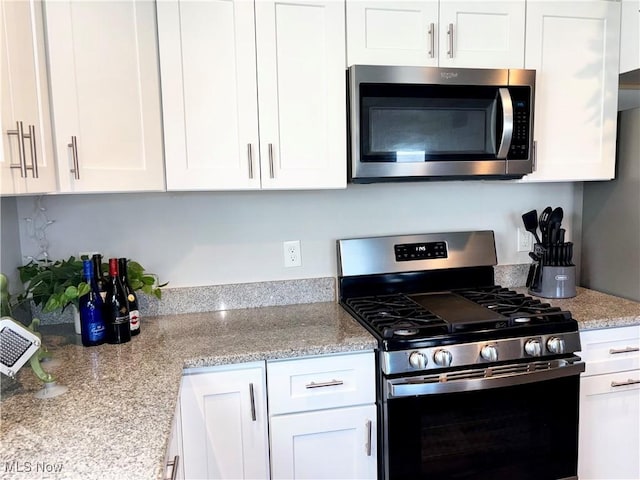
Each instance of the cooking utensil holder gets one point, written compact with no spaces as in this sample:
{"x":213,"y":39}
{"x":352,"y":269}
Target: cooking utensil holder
{"x":556,"y":282}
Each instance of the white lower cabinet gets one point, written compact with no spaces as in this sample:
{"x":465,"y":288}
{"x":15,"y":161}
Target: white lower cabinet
{"x":322,"y":420}
{"x":224,"y":422}
{"x":322,"y":417}
{"x":610,"y":404}
{"x":325,"y":444}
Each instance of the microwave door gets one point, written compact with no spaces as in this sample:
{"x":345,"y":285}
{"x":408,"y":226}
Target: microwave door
{"x":507,"y":123}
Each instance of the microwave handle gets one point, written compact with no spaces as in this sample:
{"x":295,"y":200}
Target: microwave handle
{"x":507,"y":118}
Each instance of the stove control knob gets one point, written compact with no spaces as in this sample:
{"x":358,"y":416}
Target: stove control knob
{"x":443,"y":358}
{"x":489,"y":353}
{"x":418,"y":360}
{"x":555,"y":345}
{"x":533,"y":348}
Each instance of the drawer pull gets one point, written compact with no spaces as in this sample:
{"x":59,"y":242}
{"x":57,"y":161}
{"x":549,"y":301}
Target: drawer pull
{"x":630,"y":381}
{"x":332,"y":383}
{"x":615,"y":351}
{"x":367,"y":446}
{"x":253,"y":402}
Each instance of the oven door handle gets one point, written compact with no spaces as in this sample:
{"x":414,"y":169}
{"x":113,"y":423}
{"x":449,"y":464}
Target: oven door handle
{"x":490,"y":377}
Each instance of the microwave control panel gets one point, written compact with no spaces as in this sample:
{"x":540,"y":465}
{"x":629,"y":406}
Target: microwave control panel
{"x":521,"y":98}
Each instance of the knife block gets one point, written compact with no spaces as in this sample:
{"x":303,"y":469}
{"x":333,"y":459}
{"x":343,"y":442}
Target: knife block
{"x":556,"y":282}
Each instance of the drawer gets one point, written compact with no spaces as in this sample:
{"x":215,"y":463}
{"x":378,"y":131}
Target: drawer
{"x":610,"y":350}
{"x":321,"y":382}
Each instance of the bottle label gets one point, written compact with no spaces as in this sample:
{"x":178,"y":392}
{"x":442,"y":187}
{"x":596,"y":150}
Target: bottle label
{"x":134,"y":319}
{"x":121,"y":319}
{"x":103,"y":295}
{"x":97,"y":331}
{"x":131,"y":297}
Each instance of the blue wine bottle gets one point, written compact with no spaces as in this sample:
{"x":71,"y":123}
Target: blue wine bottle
{"x":92,"y":322}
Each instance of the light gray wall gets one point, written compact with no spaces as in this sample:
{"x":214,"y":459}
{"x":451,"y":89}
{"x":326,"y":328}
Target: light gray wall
{"x":217,"y":238}
{"x":611,"y":219}
{"x":10,"y":255}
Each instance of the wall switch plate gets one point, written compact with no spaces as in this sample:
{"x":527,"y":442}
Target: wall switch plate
{"x":292,"y":255}
{"x":525,"y":240}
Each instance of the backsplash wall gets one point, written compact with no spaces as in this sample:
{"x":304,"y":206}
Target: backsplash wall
{"x":215,"y":238}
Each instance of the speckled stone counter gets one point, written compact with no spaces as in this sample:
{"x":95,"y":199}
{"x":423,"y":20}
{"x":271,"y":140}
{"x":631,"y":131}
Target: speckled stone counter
{"x":115,"y":420}
{"x":597,"y":310}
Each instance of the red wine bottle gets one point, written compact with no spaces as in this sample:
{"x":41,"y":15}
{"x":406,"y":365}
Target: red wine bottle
{"x":118,"y":330}
{"x":99,"y":275}
{"x":132,"y":299}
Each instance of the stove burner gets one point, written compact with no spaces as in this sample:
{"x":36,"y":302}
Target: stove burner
{"x":399,"y":316}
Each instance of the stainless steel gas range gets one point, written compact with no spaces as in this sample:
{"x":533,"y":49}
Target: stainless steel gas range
{"x":475,"y":381}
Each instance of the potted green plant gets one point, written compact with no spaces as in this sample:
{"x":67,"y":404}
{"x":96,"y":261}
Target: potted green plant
{"x":54,"y":285}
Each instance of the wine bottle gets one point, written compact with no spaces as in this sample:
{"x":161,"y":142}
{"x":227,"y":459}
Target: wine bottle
{"x":132,"y":299}
{"x":93,"y":329}
{"x":118,"y":330}
{"x":99,"y":276}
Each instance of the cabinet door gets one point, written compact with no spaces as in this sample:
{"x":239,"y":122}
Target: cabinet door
{"x":105,"y":93}
{"x":392,"y":33}
{"x":302,"y":93}
{"x":25,"y":122}
{"x":224,"y":423}
{"x":325,"y":444}
{"x":630,"y":36}
{"x":610,"y":426}
{"x":574,"y":47}
{"x":482,"y":34}
{"x":209,"y":98}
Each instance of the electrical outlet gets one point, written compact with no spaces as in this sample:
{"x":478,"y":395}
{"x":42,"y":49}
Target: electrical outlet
{"x":525,"y":240}
{"x":292,"y":256}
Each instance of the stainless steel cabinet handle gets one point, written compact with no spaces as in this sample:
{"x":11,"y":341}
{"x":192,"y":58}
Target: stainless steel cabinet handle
{"x":535,"y":155}
{"x":271,"y":172}
{"x":34,"y":152}
{"x":616,"y":351}
{"x":450,"y":37}
{"x":630,"y":381}
{"x":74,"y":152}
{"x":332,"y":383}
{"x":431,"y":40}
{"x":174,"y":467}
{"x":22,"y":160}
{"x":367,"y":446}
{"x":250,"y":158}
{"x":253,"y":402}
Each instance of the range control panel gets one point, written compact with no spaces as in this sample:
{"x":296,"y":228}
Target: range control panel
{"x":420,"y":251}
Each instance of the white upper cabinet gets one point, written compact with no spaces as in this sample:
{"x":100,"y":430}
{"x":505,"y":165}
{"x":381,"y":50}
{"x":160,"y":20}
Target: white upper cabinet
{"x":27,"y":162}
{"x":574,"y":47}
{"x":105,"y":95}
{"x":225,"y":80}
{"x":630,"y":36}
{"x":445,"y":33}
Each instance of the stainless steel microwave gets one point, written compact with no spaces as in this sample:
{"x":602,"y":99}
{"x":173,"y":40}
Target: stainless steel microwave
{"x":425,"y":123}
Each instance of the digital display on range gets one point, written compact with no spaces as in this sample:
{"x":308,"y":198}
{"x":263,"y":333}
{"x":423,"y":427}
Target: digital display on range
{"x":420,"y":251}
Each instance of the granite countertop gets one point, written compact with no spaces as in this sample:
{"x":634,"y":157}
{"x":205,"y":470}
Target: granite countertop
{"x":115,"y":420}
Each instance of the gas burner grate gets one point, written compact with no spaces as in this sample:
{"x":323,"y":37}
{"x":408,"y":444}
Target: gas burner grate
{"x":397,"y":315}
{"x":520,"y":308}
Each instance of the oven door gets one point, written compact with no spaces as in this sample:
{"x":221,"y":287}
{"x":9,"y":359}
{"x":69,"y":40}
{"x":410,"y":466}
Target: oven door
{"x":508,"y":422}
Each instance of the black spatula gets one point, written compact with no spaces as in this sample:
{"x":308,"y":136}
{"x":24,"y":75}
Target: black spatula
{"x":530,"y":220}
